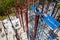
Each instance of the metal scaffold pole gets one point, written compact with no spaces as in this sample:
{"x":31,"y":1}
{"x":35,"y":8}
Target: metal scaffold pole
{"x":5,"y":30}
{"x":26,"y":15}
{"x":47,"y":7}
{"x":56,"y":12}
{"x":27,"y":30}
{"x":54,"y":8}
{"x":36,"y":21}
{"x":21,"y":15}
{"x":26,"y":18}
{"x":42,"y":6}
{"x":12,"y":25}
{"x":36,"y":25}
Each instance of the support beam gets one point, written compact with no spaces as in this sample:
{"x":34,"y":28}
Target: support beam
{"x":26,"y":17}
{"x":42,"y":6}
{"x":54,"y":8}
{"x":27,"y":30}
{"x":16,"y":14}
{"x":12,"y":25}
{"x":56,"y":12}
{"x":36,"y":26}
{"x":5,"y":30}
{"x":21,"y":15}
{"x":47,"y":7}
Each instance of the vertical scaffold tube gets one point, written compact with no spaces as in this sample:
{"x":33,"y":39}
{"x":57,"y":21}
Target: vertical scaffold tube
{"x":27,"y":30}
{"x":18,"y":12}
{"x":54,"y":8}
{"x":12,"y":25}
{"x":4,"y":30}
{"x":26,"y":18}
{"x":42,"y":6}
{"x":21,"y":15}
{"x":47,"y":7}
{"x":36,"y":25}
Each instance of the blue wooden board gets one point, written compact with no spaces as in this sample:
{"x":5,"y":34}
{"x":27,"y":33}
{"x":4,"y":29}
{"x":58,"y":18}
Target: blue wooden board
{"x":51,"y":22}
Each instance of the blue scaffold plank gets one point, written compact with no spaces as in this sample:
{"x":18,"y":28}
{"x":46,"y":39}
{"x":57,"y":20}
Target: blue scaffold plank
{"x":33,"y":8}
{"x":48,"y":22}
{"x":54,"y":20}
{"x":51,"y":22}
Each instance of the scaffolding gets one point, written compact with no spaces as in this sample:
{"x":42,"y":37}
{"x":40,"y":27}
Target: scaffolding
{"x":34,"y":24}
